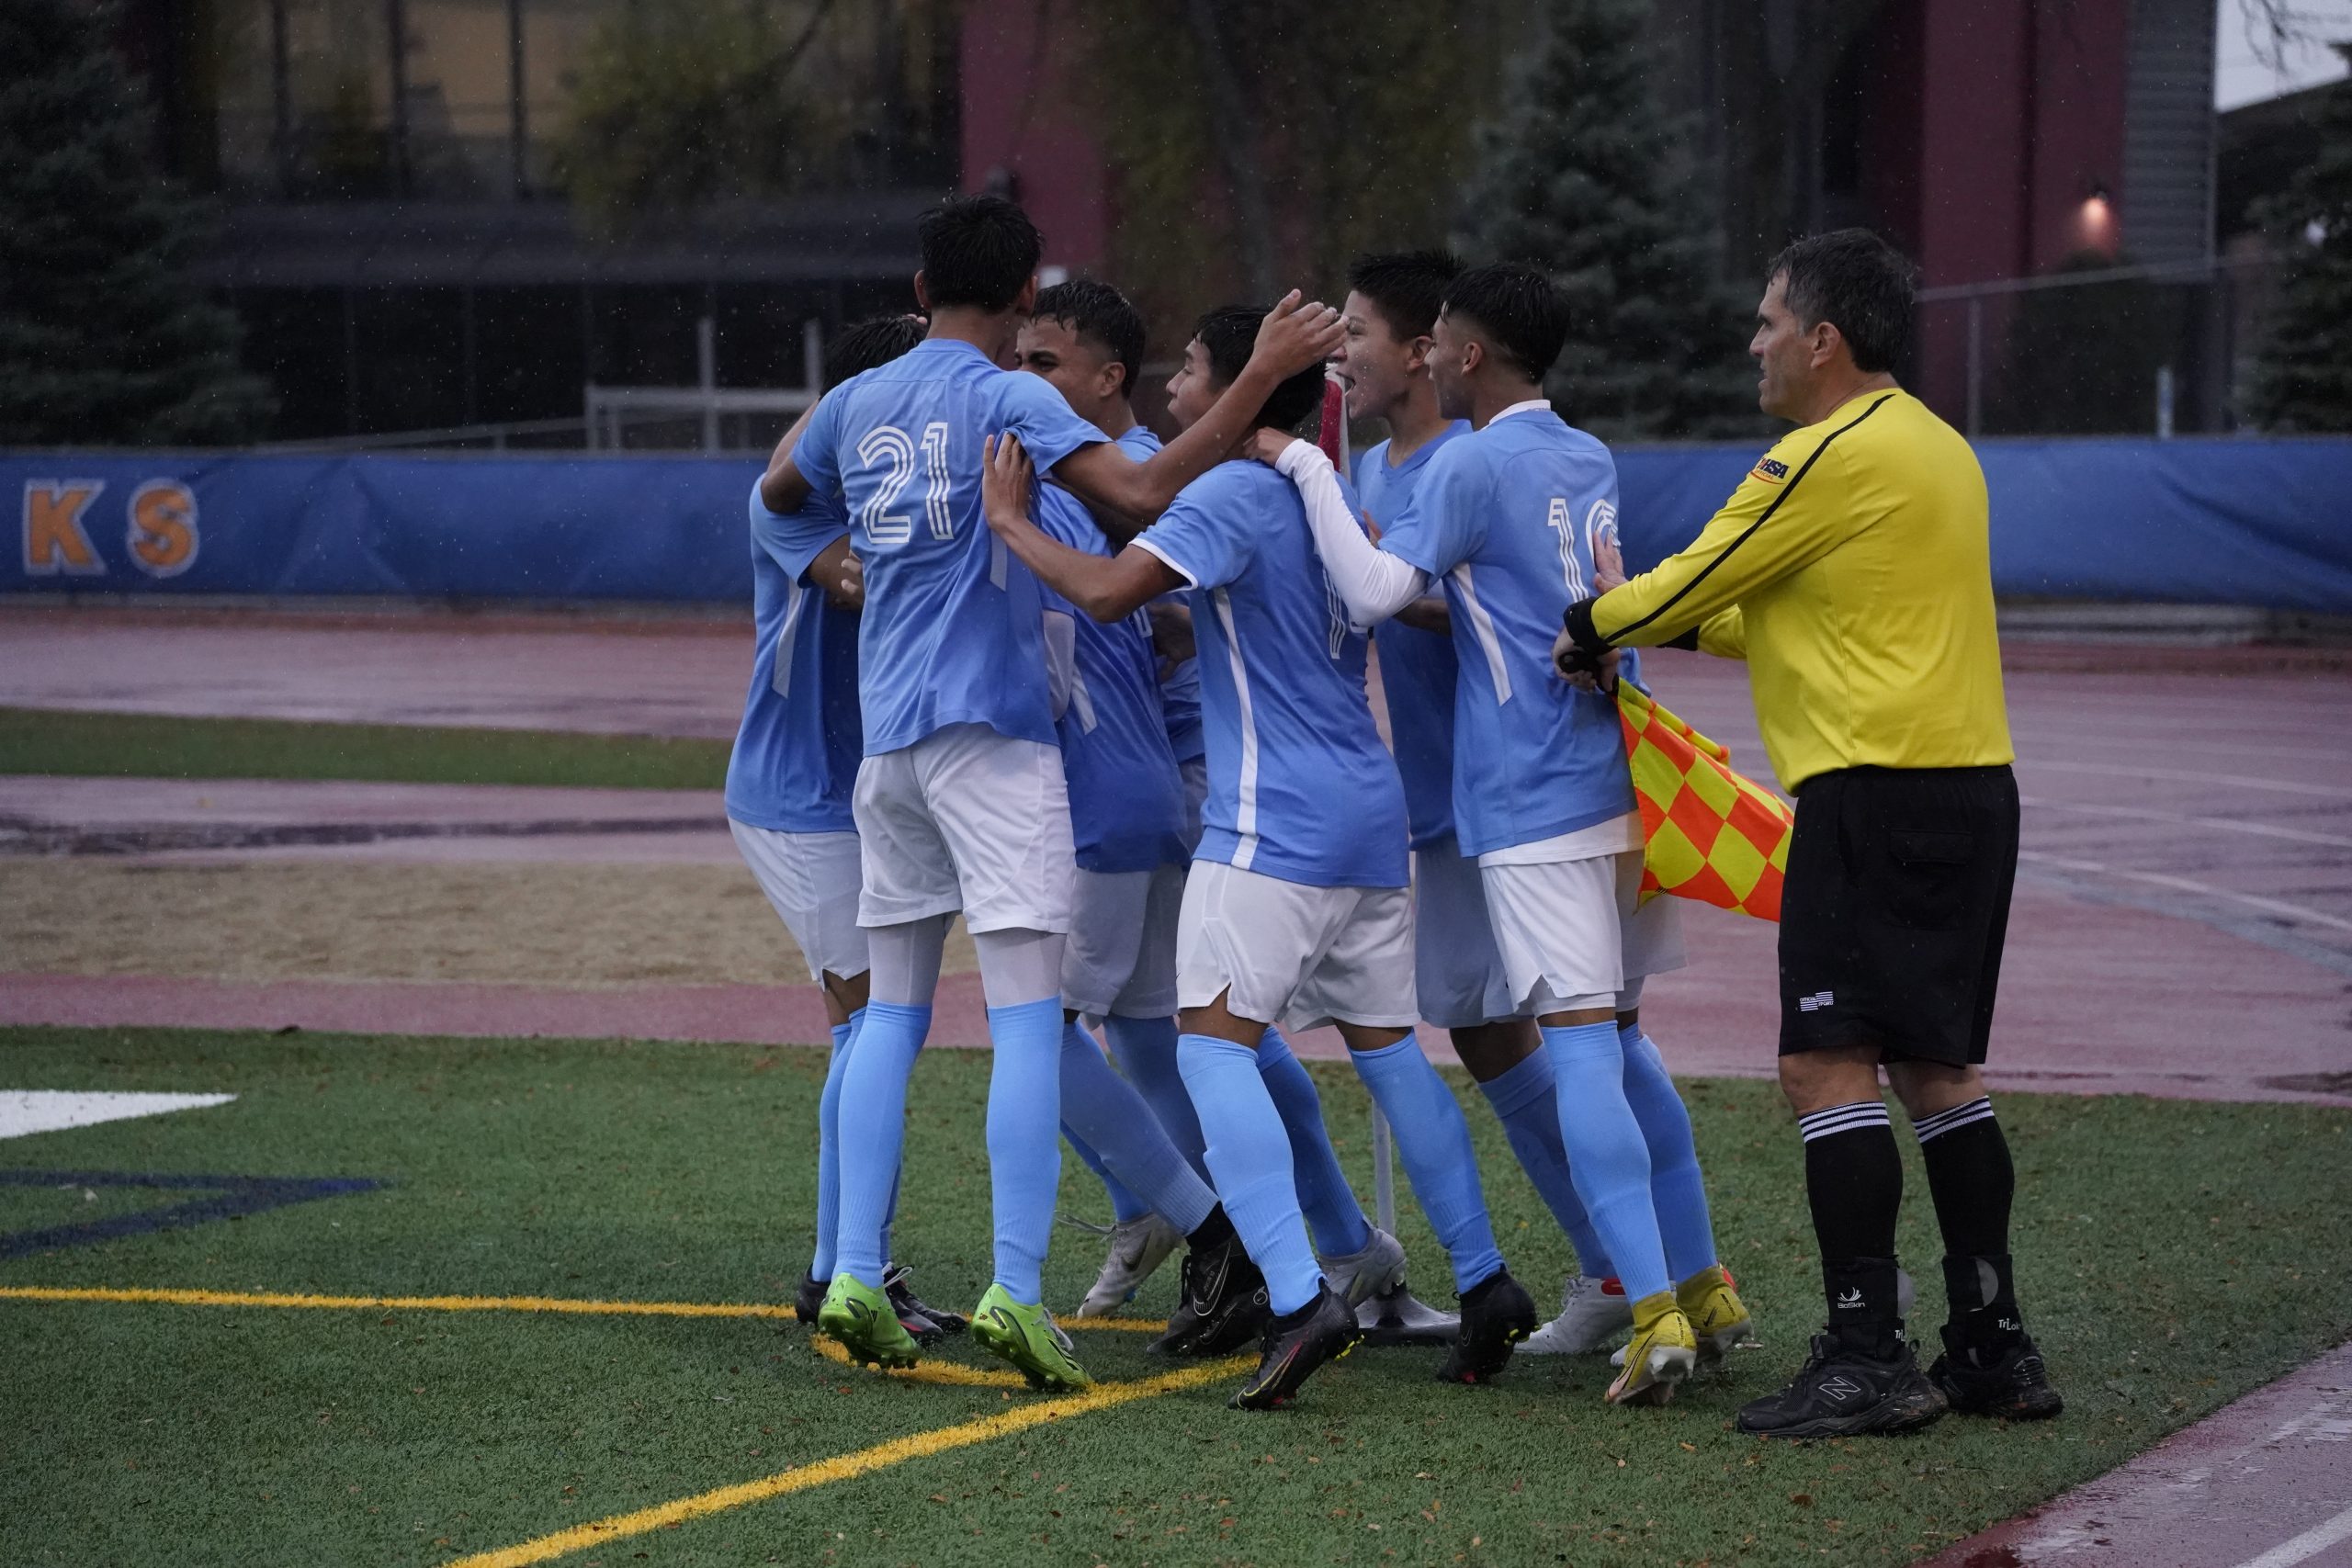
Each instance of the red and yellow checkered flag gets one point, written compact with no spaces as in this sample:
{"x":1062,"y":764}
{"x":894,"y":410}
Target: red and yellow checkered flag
{"x":1713,"y":834}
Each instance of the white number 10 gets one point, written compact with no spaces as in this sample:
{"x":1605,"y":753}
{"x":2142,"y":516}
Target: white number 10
{"x":886,"y":447}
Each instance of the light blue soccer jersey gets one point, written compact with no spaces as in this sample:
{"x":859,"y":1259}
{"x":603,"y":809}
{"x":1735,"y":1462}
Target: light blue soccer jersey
{"x":1417,"y":670}
{"x":1180,"y":692}
{"x":797,"y":751}
{"x":1126,"y":803}
{"x":1300,"y":786}
{"x":950,"y":632}
{"x":1505,"y":516}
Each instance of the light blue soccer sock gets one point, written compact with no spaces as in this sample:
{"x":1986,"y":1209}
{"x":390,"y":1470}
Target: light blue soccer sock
{"x":1024,"y":1139}
{"x":1528,"y":1105}
{"x":1324,"y":1196}
{"x":1125,"y":1205}
{"x":1107,"y":1112}
{"x":828,"y":1148}
{"x":1434,"y":1141}
{"x":1607,"y":1158}
{"x":1145,"y":1049}
{"x":1249,"y":1155}
{"x":1678,"y":1192}
{"x":873,"y":1109}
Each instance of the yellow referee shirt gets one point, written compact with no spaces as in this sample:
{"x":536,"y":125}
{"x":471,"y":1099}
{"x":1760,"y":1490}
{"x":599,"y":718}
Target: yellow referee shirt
{"x":1852,"y":571}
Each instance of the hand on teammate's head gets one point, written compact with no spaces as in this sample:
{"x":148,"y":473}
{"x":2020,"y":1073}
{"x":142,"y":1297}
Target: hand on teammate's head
{"x":1267,"y":445}
{"x":1298,"y":334}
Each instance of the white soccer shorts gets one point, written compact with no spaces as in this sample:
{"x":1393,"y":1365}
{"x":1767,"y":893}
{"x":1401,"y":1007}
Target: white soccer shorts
{"x":1120,"y":956}
{"x":1457,"y":969}
{"x":1296,"y":955}
{"x":1561,"y":927}
{"x":813,"y":881}
{"x":966,"y":819}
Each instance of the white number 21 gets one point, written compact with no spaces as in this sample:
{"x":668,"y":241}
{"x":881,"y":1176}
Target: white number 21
{"x":888,"y":447}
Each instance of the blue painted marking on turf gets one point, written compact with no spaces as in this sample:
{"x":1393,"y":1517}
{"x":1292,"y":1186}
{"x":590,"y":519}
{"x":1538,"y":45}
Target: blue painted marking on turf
{"x":233,"y":1196}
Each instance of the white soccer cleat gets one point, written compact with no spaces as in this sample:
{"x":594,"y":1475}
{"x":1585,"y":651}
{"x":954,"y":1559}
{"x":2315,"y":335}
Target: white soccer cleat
{"x":1358,"y":1277}
{"x":1372,"y":1285}
{"x":1139,"y":1246}
{"x":1594,"y":1314}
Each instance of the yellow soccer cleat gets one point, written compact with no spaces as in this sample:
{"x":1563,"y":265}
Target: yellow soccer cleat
{"x":1662,"y":1353}
{"x":1718,"y":1317}
{"x":862,"y":1318}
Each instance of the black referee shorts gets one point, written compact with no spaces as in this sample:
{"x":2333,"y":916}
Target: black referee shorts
{"x":1894,"y":911}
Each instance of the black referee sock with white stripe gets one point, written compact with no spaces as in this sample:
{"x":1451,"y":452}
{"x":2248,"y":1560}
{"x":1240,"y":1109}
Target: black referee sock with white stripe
{"x":1972,"y":1178}
{"x":1853,"y":1177}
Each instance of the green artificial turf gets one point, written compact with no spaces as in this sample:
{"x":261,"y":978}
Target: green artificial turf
{"x":114,"y":745}
{"x":2172,"y":1256}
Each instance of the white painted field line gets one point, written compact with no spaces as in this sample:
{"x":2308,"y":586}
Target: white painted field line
{"x":24,"y":1112}
{"x":2308,"y":1544}
{"x":2185,"y":776}
{"x":2295,"y":912}
{"x":2219,"y":824}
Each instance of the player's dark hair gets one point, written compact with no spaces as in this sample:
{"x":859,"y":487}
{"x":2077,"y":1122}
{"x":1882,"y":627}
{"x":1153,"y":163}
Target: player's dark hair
{"x":977,"y":249}
{"x":1229,"y":333}
{"x":1407,"y":287}
{"x":1520,"y":315}
{"x":1859,"y":284}
{"x":877,"y":341}
{"x":1099,"y":312}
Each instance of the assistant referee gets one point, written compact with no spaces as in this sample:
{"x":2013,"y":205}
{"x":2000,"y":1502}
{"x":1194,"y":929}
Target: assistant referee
{"x":1851,"y":569}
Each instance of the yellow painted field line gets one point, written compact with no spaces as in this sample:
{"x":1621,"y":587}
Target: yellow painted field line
{"x":153,"y":1296}
{"x":927,"y":1372}
{"x":848,"y":1467}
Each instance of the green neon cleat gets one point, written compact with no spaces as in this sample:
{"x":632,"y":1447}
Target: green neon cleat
{"x":862,"y":1319}
{"x":1025,"y":1336}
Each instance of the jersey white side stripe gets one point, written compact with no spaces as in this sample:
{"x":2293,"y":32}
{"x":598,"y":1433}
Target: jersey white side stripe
{"x":1245,"y":818}
{"x":795,"y":597}
{"x":1482,"y":626}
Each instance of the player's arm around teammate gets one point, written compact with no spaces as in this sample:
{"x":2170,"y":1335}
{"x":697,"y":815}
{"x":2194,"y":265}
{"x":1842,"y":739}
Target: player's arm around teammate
{"x":1852,"y":569}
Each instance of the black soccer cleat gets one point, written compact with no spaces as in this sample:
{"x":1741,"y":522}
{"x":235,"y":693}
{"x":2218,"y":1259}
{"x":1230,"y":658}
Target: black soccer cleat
{"x":1843,"y":1393}
{"x":1294,"y":1346}
{"x":1496,"y":1314}
{"x":929,"y":1324}
{"x":1223,"y":1303}
{"x":2013,"y":1383}
{"x":808,"y":1298}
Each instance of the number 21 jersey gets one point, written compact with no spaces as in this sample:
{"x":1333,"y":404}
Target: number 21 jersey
{"x":951,"y":632}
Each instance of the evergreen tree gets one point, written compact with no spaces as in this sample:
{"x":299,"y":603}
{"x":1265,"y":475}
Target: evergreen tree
{"x":105,"y":339}
{"x":2303,"y":379}
{"x":1583,"y":175}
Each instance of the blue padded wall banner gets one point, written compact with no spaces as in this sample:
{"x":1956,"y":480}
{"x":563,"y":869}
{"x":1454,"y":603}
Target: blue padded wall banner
{"x":2244,"y":521}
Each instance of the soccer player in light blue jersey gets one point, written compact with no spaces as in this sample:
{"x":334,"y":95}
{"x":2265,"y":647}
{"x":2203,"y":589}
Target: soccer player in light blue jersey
{"x":1127,"y":816}
{"x":1088,"y":342}
{"x":1296,"y":908}
{"x":789,"y":785}
{"x":1463,"y":987}
{"x":960,"y":802}
{"x":1505,"y":519}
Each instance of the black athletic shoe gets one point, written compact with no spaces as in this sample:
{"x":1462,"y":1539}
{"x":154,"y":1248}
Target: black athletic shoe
{"x":929,"y":1324}
{"x":2012,"y":1383}
{"x":1294,"y":1346}
{"x":1842,"y":1394}
{"x":1496,"y":1314}
{"x":809,"y":1297}
{"x":1223,"y":1304}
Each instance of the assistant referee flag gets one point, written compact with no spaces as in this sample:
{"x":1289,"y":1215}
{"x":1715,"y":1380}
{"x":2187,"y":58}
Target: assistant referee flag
{"x":1709,"y":832}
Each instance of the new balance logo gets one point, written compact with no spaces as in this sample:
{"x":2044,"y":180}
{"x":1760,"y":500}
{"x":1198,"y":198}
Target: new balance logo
{"x":1841,"y":1388}
{"x":1850,"y":1298}
{"x":1817,"y":1001}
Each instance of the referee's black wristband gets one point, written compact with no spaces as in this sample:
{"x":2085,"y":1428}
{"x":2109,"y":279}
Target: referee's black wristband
{"x":1578,"y":620}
